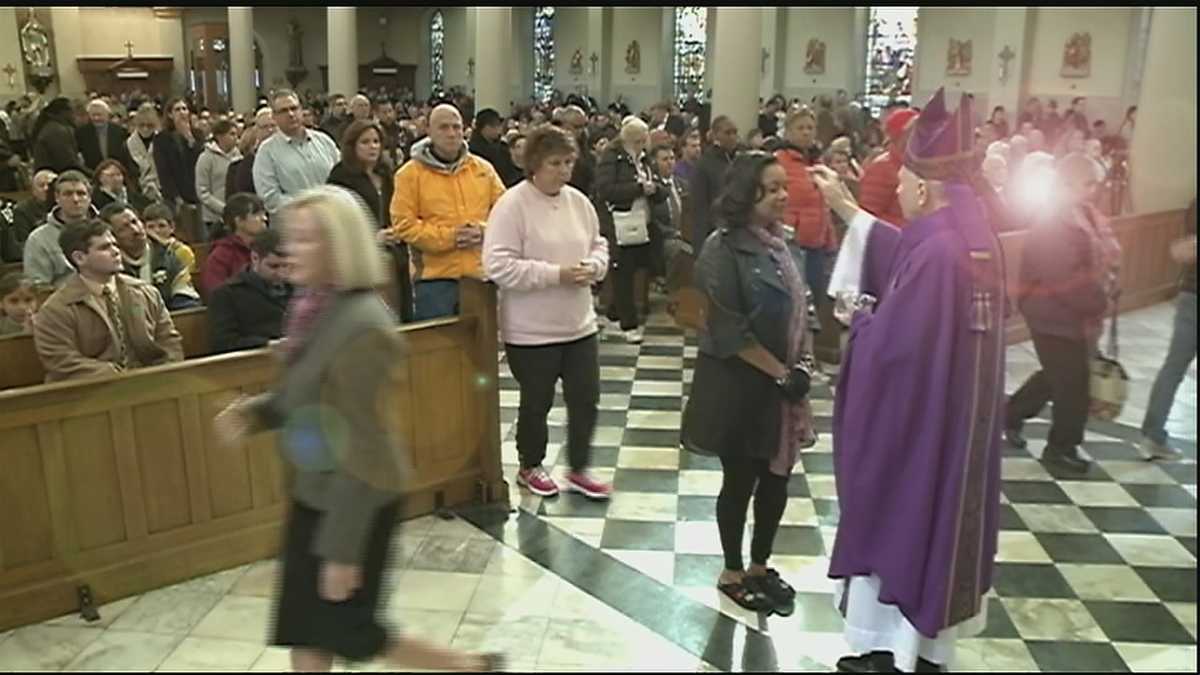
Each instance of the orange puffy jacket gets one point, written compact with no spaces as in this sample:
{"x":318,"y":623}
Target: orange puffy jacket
{"x":877,"y":192}
{"x":806,"y":210}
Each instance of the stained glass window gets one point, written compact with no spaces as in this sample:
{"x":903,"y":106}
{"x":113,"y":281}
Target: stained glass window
{"x":891,"y":55}
{"x":543,"y":53}
{"x":691,"y":39}
{"x":437,"y":53}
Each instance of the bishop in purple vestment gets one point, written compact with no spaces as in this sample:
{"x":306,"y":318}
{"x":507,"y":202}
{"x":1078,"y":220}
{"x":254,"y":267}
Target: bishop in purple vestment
{"x":917,"y":418}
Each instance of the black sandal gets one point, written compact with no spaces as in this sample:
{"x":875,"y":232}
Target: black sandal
{"x":776,"y":591}
{"x":747,"y":597}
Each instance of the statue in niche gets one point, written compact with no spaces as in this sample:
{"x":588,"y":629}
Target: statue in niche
{"x":295,"y":44}
{"x":1077,"y":56}
{"x":633,"y":58}
{"x":814,"y":57}
{"x":35,"y":44}
{"x":958,"y":58}
{"x":577,"y":63}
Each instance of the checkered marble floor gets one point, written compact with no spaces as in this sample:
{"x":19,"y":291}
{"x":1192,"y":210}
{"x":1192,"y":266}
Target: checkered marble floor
{"x":1094,"y":572}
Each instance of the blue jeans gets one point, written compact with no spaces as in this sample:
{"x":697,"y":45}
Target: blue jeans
{"x":1179,"y":358}
{"x":436,"y":299}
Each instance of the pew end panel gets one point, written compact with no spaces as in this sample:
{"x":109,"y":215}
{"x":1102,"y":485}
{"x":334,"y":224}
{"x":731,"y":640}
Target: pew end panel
{"x":120,"y":483}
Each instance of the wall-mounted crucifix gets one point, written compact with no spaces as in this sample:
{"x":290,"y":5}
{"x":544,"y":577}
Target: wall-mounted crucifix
{"x":471,"y":67}
{"x":129,"y":49}
{"x":1006,"y":56}
{"x":595,"y":60}
{"x":766,"y":55}
{"x":11,"y":73}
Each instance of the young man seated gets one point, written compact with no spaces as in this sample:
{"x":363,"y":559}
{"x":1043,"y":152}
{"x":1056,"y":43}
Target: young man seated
{"x":245,"y":217}
{"x":247,"y":311}
{"x":146,"y":259}
{"x":101,"y":322}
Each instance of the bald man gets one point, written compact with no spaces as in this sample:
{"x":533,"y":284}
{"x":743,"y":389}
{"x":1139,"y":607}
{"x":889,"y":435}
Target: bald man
{"x":102,"y":139}
{"x":442,"y":200}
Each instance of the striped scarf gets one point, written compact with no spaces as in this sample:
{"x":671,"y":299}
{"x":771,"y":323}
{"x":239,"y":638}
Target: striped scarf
{"x":796,"y":424}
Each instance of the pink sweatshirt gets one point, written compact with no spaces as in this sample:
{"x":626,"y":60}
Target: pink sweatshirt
{"x":530,"y":236}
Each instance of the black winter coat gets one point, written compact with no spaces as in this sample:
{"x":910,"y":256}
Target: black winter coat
{"x":242,"y":314}
{"x":708,"y":179}
{"x":176,"y":164}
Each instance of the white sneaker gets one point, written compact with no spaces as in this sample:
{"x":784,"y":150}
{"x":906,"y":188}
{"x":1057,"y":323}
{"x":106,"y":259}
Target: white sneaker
{"x":1151,"y":451}
{"x":635,"y":336}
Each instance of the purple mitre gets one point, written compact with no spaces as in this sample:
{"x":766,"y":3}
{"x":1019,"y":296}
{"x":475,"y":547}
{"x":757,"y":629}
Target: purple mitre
{"x":941,"y":144}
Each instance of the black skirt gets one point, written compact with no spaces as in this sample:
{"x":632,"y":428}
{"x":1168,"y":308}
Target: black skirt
{"x":347,"y":629}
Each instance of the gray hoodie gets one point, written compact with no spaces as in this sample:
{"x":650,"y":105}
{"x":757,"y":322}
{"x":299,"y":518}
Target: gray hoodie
{"x":44,"y":261}
{"x":211,"y":169}
{"x":422,"y":151}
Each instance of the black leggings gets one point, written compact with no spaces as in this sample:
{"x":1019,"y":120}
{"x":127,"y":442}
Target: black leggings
{"x":770,"y":499}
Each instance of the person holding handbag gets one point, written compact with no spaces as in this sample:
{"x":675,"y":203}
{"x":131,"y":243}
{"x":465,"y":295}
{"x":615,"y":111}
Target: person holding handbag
{"x":624,"y":195}
{"x":749,"y":403}
{"x":1068,"y":285}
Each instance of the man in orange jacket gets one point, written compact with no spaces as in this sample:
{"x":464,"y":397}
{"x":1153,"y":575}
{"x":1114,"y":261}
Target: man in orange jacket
{"x":441,"y":202}
{"x":881,"y":176}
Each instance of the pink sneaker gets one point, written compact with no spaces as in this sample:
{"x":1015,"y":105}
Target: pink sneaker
{"x":537,"y":481}
{"x":588,"y":486}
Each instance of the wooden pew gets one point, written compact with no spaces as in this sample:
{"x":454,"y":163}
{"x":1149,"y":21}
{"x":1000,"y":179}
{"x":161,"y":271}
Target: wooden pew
{"x":119,"y":483}
{"x":22,"y":367}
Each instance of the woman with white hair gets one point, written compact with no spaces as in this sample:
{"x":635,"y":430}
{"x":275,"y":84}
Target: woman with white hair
{"x":623,"y":194}
{"x":348,"y":468}
{"x":141,"y":148}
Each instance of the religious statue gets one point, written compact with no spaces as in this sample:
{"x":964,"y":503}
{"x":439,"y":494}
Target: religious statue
{"x":35,"y":49}
{"x":1077,"y":56}
{"x":295,"y":44}
{"x":814,"y":57}
{"x":958,"y":58}
{"x":633,"y":58}
{"x":577,"y":63}
{"x":295,"y":72}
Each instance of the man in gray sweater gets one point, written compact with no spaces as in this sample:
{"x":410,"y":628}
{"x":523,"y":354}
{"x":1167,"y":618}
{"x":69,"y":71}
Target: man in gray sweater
{"x":44,"y":261}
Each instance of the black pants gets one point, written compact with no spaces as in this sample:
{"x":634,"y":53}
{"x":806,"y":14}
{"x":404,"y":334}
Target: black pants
{"x":742,"y":477}
{"x":625,"y":264}
{"x":1063,"y":379}
{"x":536,"y":370}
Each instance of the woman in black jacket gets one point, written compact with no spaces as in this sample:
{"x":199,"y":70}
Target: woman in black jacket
{"x":176,"y":150}
{"x":749,"y":401}
{"x":54,"y":145}
{"x":365,"y":171}
{"x":625,"y":184}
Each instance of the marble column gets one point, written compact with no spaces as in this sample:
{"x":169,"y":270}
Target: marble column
{"x":1163,"y":158}
{"x":241,"y":58}
{"x":493,"y":57}
{"x":599,"y":39}
{"x":737,"y":73}
{"x":342,"y":37}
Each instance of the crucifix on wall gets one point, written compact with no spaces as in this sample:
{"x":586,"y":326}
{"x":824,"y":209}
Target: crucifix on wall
{"x":1005,"y":56}
{"x":595,"y":60}
{"x":129,"y":48}
{"x":11,"y":72}
{"x":766,"y":56}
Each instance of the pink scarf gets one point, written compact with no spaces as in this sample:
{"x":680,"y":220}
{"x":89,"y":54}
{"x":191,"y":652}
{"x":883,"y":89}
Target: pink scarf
{"x":302,"y":315}
{"x":796,"y":424}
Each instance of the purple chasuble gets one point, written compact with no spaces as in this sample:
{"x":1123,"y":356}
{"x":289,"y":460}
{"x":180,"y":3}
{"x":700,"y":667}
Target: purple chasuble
{"x":917,"y":419}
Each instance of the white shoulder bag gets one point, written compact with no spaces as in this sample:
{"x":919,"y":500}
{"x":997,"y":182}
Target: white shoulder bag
{"x":632,"y":226}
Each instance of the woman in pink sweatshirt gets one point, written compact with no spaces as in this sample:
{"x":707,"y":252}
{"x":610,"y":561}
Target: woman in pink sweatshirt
{"x":542,"y":246}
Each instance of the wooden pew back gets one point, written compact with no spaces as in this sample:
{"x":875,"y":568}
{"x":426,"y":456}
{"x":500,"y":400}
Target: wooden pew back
{"x":22,"y":367}
{"x":119,"y":482}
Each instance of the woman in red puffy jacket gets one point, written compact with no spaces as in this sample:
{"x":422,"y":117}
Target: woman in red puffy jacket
{"x":806,"y":212}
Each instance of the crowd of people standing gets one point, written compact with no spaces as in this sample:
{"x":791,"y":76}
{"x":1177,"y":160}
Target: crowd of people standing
{"x":561,"y":205}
